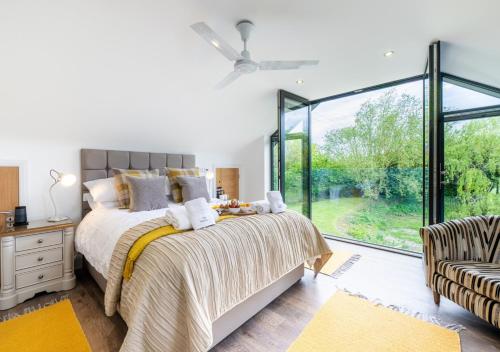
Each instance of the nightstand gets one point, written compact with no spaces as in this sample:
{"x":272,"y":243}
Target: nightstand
{"x":35,"y":258}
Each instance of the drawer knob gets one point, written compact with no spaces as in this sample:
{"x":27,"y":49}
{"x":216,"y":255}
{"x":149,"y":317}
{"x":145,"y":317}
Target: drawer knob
{"x":40,"y":276}
{"x":40,"y":241}
{"x":40,"y":259}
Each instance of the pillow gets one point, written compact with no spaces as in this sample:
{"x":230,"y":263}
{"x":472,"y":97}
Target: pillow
{"x":87,"y":197}
{"x":193,"y":187}
{"x":146,"y":193}
{"x":167,"y":186}
{"x":102,"y":190}
{"x":175,"y":188}
{"x":121,"y":186}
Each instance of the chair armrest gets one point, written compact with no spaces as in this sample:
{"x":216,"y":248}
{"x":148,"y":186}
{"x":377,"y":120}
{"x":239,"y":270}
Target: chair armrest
{"x":452,"y":240}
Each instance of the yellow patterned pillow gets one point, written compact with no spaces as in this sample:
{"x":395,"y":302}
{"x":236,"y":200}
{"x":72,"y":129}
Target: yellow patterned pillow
{"x":121,"y":185}
{"x":175,"y":187}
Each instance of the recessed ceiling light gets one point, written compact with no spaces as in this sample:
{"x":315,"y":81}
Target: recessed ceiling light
{"x":215,"y":43}
{"x":389,"y":53}
{"x":299,"y":81}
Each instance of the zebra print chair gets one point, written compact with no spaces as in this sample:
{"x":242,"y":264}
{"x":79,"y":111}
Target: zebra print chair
{"x":462,"y":263}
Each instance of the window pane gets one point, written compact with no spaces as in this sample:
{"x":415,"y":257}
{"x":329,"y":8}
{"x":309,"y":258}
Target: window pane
{"x":457,"y":96}
{"x":472,"y":164}
{"x":367,"y":166}
{"x":296,"y":155}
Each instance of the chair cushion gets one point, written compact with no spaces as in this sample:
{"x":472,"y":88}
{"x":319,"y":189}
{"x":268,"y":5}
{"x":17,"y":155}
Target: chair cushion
{"x":482,"y":306}
{"x":483,"y":278}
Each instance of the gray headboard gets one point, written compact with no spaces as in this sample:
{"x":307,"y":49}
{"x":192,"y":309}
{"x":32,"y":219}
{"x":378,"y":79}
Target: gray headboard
{"x":98,"y":163}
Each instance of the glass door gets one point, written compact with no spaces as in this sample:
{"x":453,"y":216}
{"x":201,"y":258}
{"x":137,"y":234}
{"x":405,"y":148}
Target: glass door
{"x":471,"y":167}
{"x":471,"y":145}
{"x":294,"y":132}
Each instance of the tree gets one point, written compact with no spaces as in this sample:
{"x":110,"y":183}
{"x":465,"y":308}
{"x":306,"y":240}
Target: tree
{"x":382,"y":152}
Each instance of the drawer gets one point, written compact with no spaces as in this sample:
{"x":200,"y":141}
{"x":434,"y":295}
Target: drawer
{"x":38,"y":276}
{"x":38,"y":258}
{"x":40,"y":240}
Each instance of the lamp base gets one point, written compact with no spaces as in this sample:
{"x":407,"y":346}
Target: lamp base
{"x":57,"y":218}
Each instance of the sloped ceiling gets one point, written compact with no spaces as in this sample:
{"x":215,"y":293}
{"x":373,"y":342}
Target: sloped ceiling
{"x":132,"y":74}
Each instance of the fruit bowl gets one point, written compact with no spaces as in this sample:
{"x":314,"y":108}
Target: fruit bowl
{"x":234,"y":210}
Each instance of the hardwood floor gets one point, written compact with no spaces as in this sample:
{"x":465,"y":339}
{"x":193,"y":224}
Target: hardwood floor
{"x":386,"y":277}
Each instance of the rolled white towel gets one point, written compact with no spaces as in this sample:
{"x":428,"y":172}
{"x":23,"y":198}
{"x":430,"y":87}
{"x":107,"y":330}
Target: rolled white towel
{"x":276,"y":202}
{"x":261,"y":207}
{"x":199,"y":212}
{"x":178,"y":217}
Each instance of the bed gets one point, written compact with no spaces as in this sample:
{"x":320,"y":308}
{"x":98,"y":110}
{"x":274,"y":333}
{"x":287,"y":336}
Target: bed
{"x":176,"y":300}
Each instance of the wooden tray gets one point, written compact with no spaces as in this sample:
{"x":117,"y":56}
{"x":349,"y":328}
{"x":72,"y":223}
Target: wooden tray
{"x":241,"y":213}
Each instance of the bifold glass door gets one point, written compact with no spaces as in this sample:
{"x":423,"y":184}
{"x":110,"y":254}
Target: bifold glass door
{"x":471,"y":167}
{"x":471,"y":149}
{"x":377,"y":164}
{"x":294,"y":151}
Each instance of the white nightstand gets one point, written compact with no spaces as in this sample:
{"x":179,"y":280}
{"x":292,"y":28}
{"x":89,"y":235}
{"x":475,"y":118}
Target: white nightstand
{"x":35,"y":258}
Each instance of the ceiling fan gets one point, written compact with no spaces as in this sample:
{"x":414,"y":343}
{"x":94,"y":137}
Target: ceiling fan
{"x":243,"y":64}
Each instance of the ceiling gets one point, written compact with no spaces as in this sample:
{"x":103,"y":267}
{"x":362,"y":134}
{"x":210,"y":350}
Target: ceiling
{"x":126,"y":59}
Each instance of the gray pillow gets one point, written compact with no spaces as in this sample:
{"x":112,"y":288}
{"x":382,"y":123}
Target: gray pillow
{"x":193,"y":187}
{"x":147,"y":193}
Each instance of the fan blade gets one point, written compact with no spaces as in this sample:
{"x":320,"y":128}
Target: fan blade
{"x":230,"y":78}
{"x":217,"y":42}
{"x":286,"y":65}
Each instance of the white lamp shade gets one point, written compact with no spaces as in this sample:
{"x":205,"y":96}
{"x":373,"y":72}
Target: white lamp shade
{"x":209,"y":175}
{"x":68,"y":179}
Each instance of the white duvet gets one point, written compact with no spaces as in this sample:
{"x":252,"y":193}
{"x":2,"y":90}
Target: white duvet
{"x":99,"y":231}
{"x":97,"y":234}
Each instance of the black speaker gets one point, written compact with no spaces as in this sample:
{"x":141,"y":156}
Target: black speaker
{"x":20,"y":217}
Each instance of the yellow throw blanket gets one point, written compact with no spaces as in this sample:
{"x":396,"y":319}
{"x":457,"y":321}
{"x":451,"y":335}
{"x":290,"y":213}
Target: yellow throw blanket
{"x":149,"y":237}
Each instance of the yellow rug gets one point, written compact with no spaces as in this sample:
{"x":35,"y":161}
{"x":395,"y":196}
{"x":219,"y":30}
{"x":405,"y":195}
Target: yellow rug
{"x":339,"y":262}
{"x":53,"y":328}
{"x":351,"y":324}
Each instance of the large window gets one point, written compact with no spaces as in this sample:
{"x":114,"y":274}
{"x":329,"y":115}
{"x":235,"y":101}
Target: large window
{"x":367,"y":166}
{"x":472,"y":164}
{"x":471,"y":147}
{"x":377,"y":164}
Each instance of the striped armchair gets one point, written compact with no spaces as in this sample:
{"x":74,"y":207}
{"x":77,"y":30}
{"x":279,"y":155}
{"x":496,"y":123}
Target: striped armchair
{"x":462,"y":263}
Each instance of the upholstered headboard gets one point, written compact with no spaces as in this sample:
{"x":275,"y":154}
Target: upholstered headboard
{"x":98,"y":163}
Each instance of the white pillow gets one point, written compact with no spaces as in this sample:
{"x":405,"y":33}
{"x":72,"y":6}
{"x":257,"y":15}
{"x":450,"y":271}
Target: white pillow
{"x":94,"y":205}
{"x":102,"y":190}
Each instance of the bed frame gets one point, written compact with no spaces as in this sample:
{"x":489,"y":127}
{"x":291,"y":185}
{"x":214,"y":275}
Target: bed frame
{"x":97,"y":163}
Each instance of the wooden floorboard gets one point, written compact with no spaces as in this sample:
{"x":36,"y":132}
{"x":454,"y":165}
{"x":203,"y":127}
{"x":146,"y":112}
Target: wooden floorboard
{"x":388,"y":278}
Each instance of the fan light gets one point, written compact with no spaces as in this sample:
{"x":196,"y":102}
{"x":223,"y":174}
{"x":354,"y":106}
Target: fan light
{"x":299,"y":81}
{"x":389,"y":53}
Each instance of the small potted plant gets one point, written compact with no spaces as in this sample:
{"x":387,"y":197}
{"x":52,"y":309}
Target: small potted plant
{"x":234,"y":206}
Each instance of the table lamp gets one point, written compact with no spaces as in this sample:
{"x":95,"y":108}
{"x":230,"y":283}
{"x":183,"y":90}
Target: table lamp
{"x":65,"y":180}
{"x":209,"y":176}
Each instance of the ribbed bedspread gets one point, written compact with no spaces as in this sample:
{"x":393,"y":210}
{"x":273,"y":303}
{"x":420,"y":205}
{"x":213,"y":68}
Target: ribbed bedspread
{"x":182,"y":283}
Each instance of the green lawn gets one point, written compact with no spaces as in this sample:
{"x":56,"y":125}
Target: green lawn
{"x":375,"y":221}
